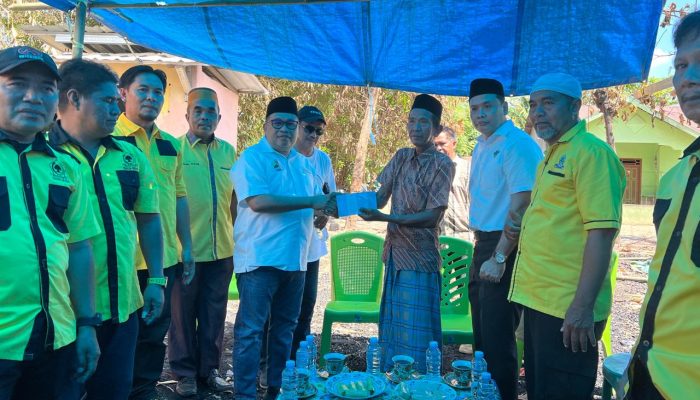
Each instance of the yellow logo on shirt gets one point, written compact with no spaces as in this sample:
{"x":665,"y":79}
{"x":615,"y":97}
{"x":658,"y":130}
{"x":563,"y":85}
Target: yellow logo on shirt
{"x":276,"y":165}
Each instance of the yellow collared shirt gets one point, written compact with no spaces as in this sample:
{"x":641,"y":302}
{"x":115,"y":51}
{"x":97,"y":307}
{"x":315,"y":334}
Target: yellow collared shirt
{"x":207,"y":169}
{"x":121,"y":183}
{"x":44,"y":206}
{"x":670,"y":316}
{"x":578,"y":187}
{"x":162,"y":151}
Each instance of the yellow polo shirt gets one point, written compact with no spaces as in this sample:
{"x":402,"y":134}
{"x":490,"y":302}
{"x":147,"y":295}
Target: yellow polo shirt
{"x":669,"y":341}
{"x":162,"y":151}
{"x":206,"y":169}
{"x":578,"y":187}
{"x":43,"y":207}
{"x":121,"y":184}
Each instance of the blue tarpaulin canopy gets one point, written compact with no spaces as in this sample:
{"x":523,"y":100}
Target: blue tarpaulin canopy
{"x":431,"y":46}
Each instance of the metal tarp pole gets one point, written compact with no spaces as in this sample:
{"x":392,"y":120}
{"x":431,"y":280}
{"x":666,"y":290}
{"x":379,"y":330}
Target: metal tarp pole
{"x":78,"y":39}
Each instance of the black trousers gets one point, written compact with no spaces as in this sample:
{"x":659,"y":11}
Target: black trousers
{"x":494,"y":318}
{"x":150,"y":348}
{"x":48,"y":376}
{"x":553,"y":372}
{"x":641,"y":385}
{"x":198,"y":317}
{"x":115,"y":370}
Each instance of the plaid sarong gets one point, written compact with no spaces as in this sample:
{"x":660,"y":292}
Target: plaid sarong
{"x":409,"y":317}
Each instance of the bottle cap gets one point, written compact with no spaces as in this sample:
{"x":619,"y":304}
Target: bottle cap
{"x":290,"y":364}
{"x":373,"y":340}
{"x":479,"y":354}
{"x":485,"y":376}
{"x":302,"y":344}
{"x":433,"y":345}
{"x":310,"y":339}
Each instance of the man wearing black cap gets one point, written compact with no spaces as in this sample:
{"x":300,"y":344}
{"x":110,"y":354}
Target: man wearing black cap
{"x":47,"y":317}
{"x":418,"y":181}
{"x":276,"y":195}
{"x":312,"y":125}
{"x":503,"y":172}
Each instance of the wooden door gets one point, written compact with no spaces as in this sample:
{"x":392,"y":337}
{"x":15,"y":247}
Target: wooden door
{"x":633,"y":170}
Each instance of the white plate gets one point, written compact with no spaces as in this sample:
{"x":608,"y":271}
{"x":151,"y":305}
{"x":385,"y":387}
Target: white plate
{"x":424,"y":390}
{"x":356,"y":386}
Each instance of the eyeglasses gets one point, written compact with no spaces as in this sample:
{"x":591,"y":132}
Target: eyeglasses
{"x":311,"y":129}
{"x":278,"y":124}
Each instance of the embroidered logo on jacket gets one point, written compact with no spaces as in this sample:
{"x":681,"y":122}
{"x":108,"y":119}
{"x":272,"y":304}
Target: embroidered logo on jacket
{"x":560,"y":164}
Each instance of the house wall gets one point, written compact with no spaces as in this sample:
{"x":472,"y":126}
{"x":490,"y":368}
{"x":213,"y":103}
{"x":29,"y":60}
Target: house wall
{"x":648,"y":154}
{"x":172,"y":116}
{"x":668,"y":157}
{"x":657,"y":143}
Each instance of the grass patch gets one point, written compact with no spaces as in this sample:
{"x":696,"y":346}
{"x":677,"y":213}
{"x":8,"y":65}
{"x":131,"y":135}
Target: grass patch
{"x":633,"y":214}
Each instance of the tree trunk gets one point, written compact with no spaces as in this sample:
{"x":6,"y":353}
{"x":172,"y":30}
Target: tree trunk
{"x":358,"y":170}
{"x":600,"y":97}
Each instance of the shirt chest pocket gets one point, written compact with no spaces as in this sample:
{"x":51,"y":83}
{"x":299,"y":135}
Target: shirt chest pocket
{"x":56,"y":206}
{"x":222,"y":174}
{"x":167,"y":164}
{"x":5,"y":215}
{"x":559,"y":185}
{"x":167,"y":160}
{"x":129,"y":182}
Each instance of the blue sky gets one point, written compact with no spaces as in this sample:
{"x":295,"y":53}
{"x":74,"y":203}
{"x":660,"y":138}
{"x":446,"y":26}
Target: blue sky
{"x":662,"y":62}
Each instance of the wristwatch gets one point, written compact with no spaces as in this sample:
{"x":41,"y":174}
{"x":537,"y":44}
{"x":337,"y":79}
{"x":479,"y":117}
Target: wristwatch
{"x":163,"y":281}
{"x":95,"y":320}
{"x":500,"y":257}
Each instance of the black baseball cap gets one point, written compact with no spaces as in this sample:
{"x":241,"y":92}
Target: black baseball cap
{"x":311,"y":114}
{"x":13,"y":57}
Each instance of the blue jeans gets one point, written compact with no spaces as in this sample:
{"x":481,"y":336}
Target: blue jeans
{"x":264,"y":293}
{"x":115,"y":369}
{"x":303,"y":329}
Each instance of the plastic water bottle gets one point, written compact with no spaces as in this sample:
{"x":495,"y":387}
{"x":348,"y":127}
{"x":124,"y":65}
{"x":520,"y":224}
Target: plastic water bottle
{"x":289,"y":381}
{"x":433,"y":359}
{"x":479,"y":366}
{"x":374,"y":356}
{"x":311,"y":345}
{"x":486,"y":389}
{"x":303,"y":355}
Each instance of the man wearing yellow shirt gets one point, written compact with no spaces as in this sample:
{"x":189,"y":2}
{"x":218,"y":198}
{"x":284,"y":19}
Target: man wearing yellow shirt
{"x":199,"y":309}
{"x":666,"y":358}
{"x":142,"y":90}
{"x":123,"y":192}
{"x":561,"y":275}
{"x":47,"y":309}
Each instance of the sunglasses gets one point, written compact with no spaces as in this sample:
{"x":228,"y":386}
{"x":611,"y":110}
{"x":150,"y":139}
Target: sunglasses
{"x":311,"y":129}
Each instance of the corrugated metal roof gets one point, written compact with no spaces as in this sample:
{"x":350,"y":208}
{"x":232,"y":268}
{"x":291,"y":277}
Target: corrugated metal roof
{"x":104,"y":45}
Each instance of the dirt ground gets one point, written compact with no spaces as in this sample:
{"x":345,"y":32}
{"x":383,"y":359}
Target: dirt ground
{"x":635,"y":246}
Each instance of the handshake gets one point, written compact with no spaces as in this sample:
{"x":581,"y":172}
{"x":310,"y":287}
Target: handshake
{"x":326,"y":204}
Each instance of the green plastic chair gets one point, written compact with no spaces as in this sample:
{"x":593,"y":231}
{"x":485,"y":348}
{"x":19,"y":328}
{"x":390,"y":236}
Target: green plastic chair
{"x":454,"y":299}
{"x":606,"y":339}
{"x":233,"y":289}
{"x":357,"y":271}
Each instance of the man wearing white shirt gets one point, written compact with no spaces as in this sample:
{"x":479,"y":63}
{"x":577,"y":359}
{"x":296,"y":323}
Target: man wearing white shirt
{"x":312,"y":125}
{"x":503,"y":169}
{"x":276,"y":198}
{"x":455,"y":223}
